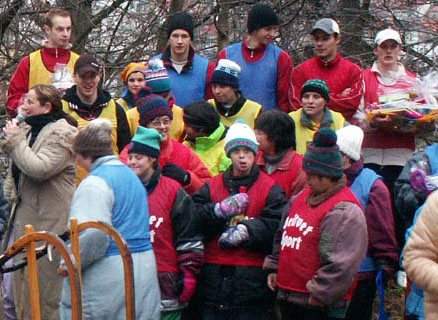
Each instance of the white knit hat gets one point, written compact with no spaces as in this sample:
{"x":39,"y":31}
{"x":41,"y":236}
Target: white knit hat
{"x":240,"y":135}
{"x":350,"y":141}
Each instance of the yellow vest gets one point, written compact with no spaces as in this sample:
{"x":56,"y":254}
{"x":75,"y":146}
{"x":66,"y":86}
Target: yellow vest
{"x":249,"y":113}
{"x":38,"y":73}
{"x":123,"y":103}
{"x":304,"y":134}
{"x":110,"y":113}
{"x":176,"y":128}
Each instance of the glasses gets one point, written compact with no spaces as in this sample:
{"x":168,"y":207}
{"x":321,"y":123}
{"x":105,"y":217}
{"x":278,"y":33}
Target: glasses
{"x":158,"y":123}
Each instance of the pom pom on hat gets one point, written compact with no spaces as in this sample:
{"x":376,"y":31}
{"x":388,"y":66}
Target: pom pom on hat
{"x":240,"y":135}
{"x":324,"y":138}
{"x":350,"y":141}
{"x":226,"y":73}
{"x":157,"y":77}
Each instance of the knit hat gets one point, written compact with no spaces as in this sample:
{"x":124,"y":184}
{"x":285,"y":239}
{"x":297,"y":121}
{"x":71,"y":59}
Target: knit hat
{"x":180,"y":20}
{"x":260,"y":16}
{"x":350,"y":141}
{"x":240,"y":135}
{"x":318,"y":86}
{"x":157,"y":77}
{"x":327,"y":25}
{"x":95,"y":139}
{"x":151,"y":106}
{"x":201,"y":114}
{"x":227,"y":73}
{"x":387,"y":34}
{"x":86,"y":63}
{"x":131,"y":68}
{"x":146,"y":141}
{"x":323,"y":157}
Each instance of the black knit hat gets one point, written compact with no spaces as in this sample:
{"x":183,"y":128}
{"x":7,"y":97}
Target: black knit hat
{"x":318,"y":86}
{"x":226,"y":73}
{"x":180,"y":20}
{"x":201,"y":115}
{"x":260,"y":16}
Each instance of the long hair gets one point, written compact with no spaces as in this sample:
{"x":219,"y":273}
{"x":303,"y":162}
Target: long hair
{"x":279,"y":127}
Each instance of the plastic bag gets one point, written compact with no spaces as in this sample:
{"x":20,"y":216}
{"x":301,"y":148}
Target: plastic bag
{"x":62,"y":78}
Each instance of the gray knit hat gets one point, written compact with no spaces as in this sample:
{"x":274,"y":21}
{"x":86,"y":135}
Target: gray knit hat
{"x":95,"y":139}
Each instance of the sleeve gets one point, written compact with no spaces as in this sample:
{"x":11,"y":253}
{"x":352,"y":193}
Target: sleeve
{"x":199,"y":173}
{"x":298,"y":79}
{"x":221,"y":55}
{"x":349,"y":103}
{"x":124,"y":155}
{"x":52,"y":157}
{"x":298,"y":184}
{"x":18,"y":86}
{"x":340,"y":261}
{"x":421,"y":252}
{"x":4,"y":211}
{"x":93,"y":200}
{"x":284,"y":70}
{"x":261,"y":230}
{"x":208,"y":91}
{"x":123,"y":131}
{"x":380,"y":220}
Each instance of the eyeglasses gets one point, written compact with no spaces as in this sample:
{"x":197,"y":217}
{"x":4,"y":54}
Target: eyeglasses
{"x":164,"y":122}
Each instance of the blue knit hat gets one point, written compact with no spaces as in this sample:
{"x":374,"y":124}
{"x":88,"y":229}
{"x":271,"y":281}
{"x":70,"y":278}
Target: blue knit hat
{"x":318,"y":86}
{"x":323,"y":157}
{"x":146,"y":141}
{"x":227,"y":73}
{"x":151,"y":106}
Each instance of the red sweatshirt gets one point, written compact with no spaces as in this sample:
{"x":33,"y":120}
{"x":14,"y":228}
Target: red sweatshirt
{"x":339,"y":74}
{"x":284,"y":69}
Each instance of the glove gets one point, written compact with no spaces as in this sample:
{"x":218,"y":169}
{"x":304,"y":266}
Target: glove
{"x":232,"y":206}
{"x":176,"y":173}
{"x":189,"y":286}
{"x":233,"y":237}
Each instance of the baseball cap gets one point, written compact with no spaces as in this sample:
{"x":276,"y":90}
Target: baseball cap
{"x":387,"y":34}
{"x":86,"y":63}
{"x":327,"y":25}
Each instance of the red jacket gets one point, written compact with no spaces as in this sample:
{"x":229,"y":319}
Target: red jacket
{"x":339,"y":74}
{"x":288,"y":174}
{"x":20,"y":80}
{"x":176,"y":153}
{"x":284,"y":69}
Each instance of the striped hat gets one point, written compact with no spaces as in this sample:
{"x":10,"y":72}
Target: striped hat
{"x":226,"y":73}
{"x":318,"y":86}
{"x":157,"y":77}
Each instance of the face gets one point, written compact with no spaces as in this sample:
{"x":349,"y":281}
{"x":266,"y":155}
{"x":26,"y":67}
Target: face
{"x":180,"y":42}
{"x":136,"y":81}
{"x":87,"y":86}
{"x":265,"y":145}
{"x":60,"y":32}
{"x":224,"y":94}
{"x":318,"y":184}
{"x":162,"y":125}
{"x":346,"y":161}
{"x":32,"y":107}
{"x":142,"y":165}
{"x":388,"y":52}
{"x":266,"y":35}
{"x":313,"y":104}
{"x":242,"y":159}
{"x":193,"y":133}
{"x":326,"y":46}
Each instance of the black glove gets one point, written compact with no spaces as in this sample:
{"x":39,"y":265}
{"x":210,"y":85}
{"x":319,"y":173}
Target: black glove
{"x":176,"y":173}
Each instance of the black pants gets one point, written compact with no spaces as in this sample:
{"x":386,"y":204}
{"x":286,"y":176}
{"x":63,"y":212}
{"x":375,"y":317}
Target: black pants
{"x":292,"y":311}
{"x":361,"y":306}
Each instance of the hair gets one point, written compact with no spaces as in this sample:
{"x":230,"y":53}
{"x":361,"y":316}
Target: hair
{"x":95,"y":139}
{"x":49,"y":94}
{"x":279,"y":127}
{"x":54,"y":12}
{"x":201,"y":115}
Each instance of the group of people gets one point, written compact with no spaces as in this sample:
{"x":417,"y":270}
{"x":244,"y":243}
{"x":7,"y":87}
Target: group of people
{"x":236,"y":185}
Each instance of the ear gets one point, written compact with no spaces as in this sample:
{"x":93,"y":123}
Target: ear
{"x":47,"y":107}
{"x":47,"y":29}
{"x":338,"y":39}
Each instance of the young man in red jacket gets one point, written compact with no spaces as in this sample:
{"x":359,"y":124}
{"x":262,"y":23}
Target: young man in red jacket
{"x":343,"y":77}
{"x":262,"y":60}
{"x":52,"y":64}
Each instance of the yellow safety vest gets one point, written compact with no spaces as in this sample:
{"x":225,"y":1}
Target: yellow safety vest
{"x":123,"y":103}
{"x":249,"y":113}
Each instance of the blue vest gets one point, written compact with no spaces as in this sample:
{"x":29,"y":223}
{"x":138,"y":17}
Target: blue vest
{"x":361,"y":188}
{"x":432,"y":153}
{"x":130,"y":214}
{"x":258,"y":80}
{"x":189,"y":86}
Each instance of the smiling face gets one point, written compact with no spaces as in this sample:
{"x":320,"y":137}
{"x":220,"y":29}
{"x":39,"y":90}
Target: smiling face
{"x":162,"y":125}
{"x":136,"y":81}
{"x":142,"y":165}
{"x":59,"y":33}
{"x":388,"y":53}
{"x":242,"y":159}
{"x":265,"y":35}
{"x":87,"y":86}
{"x":32,"y":106}
{"x":326,"y":45}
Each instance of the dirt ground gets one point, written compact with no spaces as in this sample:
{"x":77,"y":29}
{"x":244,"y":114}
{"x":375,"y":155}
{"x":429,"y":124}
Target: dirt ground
{"x":394,"y":303}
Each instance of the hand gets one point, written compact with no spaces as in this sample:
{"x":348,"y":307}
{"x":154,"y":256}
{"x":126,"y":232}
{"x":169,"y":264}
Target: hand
{"x":232,"y":206}
{"x":272,"y":281}
{"x":233,"y":237}
{"x":11,"y":128}
{"x":315,"y":302}
{"x":176,"y":173}
{"x":189,"y":286}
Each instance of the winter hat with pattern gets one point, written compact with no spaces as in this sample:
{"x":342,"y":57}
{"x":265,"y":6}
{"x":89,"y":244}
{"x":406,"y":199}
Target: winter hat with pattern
{"x":131,"y":68}
{"x":151,"y":106}
{"x":226,"y":73}
{"x":350,"y":141}
{"x":323,"y":157}
{"x":95,"y":139}
{"x":180,"y":20}
{"x":157,"y":77}
{"x":318,"y":86}
{"x":240,"y":135}
{"x":146,"y":141}
{"x":260,"y":16}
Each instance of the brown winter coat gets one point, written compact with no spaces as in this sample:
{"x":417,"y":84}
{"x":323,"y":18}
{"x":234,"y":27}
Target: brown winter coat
{"x":421,"y":255}
{"x":46,"y":184}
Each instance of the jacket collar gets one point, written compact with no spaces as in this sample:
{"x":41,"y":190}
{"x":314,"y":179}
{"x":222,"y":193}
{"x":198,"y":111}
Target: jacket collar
{"x":329,"y":64}
{"x":151,"y":185}
{"x":327,"y":119}
{"x":315,"y":200}
{"x":284,"y":162}
{"x":259,"y":49}
{"x":168,"y":63}
{"x":203,"y":144}
{"x":233,"y":184}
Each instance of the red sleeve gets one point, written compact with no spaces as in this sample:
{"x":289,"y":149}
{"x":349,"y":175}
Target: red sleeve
{"x":284,"y":69}
{"x":221,"y":55}
{"x":348,"y":104}
{"x":208,"y":92}
{"x":123,"y":156}
{"x":19,"y":85}
{"x":199,"y":173}
{"x":298,"y":79}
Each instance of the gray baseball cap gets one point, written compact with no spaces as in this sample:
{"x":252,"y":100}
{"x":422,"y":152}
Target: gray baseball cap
{"x":327,"y":25}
